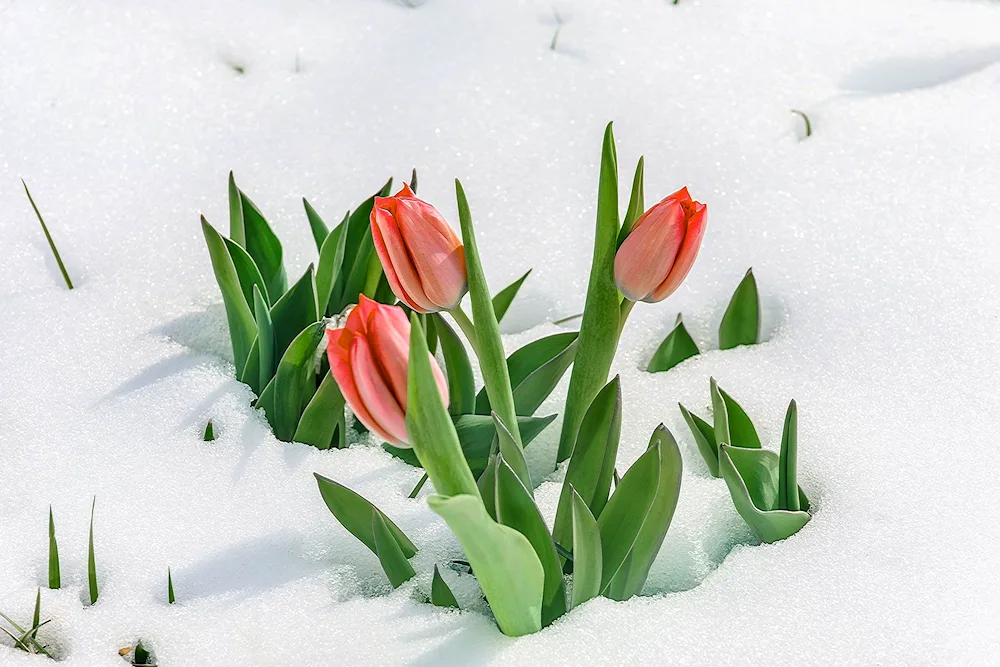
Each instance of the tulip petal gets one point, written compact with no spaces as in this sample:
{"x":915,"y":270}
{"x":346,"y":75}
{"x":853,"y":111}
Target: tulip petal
{"x":396,"y":259}
{"x":389,"y":422}
{"x":340,"y":366}
{"x":437,"y":253}
{"x":687,"y":254}
{"x":390,"y":347}
{"x":644,"y":259}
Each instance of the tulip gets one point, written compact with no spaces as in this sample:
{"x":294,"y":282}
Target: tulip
{"x":422,"y":255}
{"x":658,"y":253}
{"x":369,"y":359}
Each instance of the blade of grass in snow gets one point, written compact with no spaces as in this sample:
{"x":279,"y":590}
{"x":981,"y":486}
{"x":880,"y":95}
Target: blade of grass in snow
{"x":55,"y":580}
{"x":91,"y":562}
{"x":48,"y":237}
{"x":170,"y":587}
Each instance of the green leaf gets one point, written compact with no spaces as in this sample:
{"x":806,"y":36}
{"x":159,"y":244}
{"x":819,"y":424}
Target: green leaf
{"x":293,"y":312}
{"x":636,"y":203}
{"x":413,"y":180}
{"x":587,"y":556}
{"x":48,"y":237}
{"x":503,"y":299}
{"x":36,"y":619}
{"x":394,"y":563}
{"x":322,"y":415}
{"x":358,"y":227}
{"x":331,"y":262}
{"x":592,"y":465}
{"x":55,"y":578}
{"x":752,"y":478}
{"x":505,"y":564}
{"x":461,"y":382}
{"x":535,"y":370}
{"x":489,"y":347}
{"x":430,"y":326}
{"x":247,"y":271}
{"x":626,"y":511}
{"x":788,"y":496}
{"x":511,"y":454}
{"x":236,"y":228}
{"x":264,"y":246}
{"x":91,"y":561}
{"x":429,"y":426}
{"x":319,"y":229}
{"x":599,"y":328}
{"x":266,"y":357}
{"x":170,"y":588}
{"x":242,"y":327}
{"x":487,"y":485}
{"x":441,"y":595}
{"x":357,"y":277}
{"x":209,"y":434}
{"x":140,"y":655}
{"x":741,"y":323}
{"x":732,"y":424}
{"x":704,"y":437}
{"x":295,"y":381}
{"x":674,"y":349}
{"x":516,"y":508}
{"x":357,"y":514}
{"x":632,"y":577}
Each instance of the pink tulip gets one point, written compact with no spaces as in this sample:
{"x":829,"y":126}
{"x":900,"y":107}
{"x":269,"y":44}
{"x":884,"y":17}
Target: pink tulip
{"x":660,"y":250}
{"x":422,"y":255}
{"x":369,"y":358}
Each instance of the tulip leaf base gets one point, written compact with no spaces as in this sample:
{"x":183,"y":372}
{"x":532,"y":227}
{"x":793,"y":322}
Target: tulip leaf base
{"x":732,"y":427}
{"x":741,"y":321}
{"x":678,"y":346}
{"x":763,"y":485}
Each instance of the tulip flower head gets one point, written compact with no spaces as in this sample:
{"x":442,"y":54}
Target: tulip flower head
{"x":369,"y":359}
{"x":660,"y":250}
{"x":422,"y":255}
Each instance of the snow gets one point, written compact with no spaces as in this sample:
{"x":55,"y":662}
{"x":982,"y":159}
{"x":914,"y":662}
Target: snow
{"x":874,"y":243}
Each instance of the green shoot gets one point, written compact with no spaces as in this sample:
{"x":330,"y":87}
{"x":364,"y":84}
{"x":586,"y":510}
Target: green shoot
{"x":48,"y":237}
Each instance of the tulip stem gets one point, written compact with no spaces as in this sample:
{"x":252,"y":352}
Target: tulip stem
{"x":623,"y":310}
{"x":467,"y":327}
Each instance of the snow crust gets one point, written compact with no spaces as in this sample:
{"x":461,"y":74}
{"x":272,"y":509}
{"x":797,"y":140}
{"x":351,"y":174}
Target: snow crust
{"x":874,"y":243}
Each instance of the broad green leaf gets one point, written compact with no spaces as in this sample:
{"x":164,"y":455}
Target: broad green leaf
{"x":331,"y":259}
{"x":516,"y":508}
{"x":356,"y":515}
{"x":505,"y":564}
{"x":489,"y":346}
{"x":293,"y":312}
{"x":632,"y":577}
{"x":430,"y":327}
{"x":358,"y":273}
{"x":266,"y":353}
{"x":503,"y":299}
{"x":246,"y":270}
{"x":322,"y":415}
{"x":55,"y":577}
{"x":91,"y":560}
{"x":295,"y":381}
{"x":732,"y":424}
{"x":622,"y":518}
{"x":704,"y":437}
{"x":741,"y":323}
{"x":242,"y":327}
{"x":599,"y":328}
{"x":374,"y":275}
{"x":441,"y":595}
{"x":752,"y":478}
{"x":636,"y":203}
{"x":461,"y":382}
{"x":487,"y":485}
{"x":535,"y":370}
{"x":394,"y":563}
{"x":141,"y":656}
{"x":429,"y":426}
{"x":788,"y":496}
{"x":319,"y":229}
{"x":476,"y":434}
{"x":511,"y":453}
{"x":264,"y":247}
{"x":358,"y":226}
{"x":674,"y":349}
{"x":592,"y":465}
{"x":171,"y":598}
{"x":236,"y":229}
{"x":587,"y":558}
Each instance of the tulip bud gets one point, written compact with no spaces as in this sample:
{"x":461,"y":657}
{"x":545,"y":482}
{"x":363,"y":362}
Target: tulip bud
{"x":369,"y":359}
{"x":660,"y":250}
{"x":422,"y":255}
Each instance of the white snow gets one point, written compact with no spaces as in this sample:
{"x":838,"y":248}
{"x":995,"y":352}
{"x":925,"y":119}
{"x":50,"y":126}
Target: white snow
{"x":874,"y":243}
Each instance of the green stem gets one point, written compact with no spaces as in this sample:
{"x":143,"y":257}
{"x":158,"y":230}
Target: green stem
{"x":468,"y":328}
{"x":623,"y":311}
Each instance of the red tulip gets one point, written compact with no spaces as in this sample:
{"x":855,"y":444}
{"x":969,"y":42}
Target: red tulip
{"x":422,"y":255}
{"x":369,"y":358}
{"x":658,"y":253}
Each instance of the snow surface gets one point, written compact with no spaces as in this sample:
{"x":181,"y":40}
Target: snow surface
{"x":874,"y":243}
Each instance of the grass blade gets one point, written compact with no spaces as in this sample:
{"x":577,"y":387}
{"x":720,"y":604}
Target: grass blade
{"x":48,"y":237}
{"x":55,"y":578}
{"x":91,"y":561}
{"x":170,"y":588}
